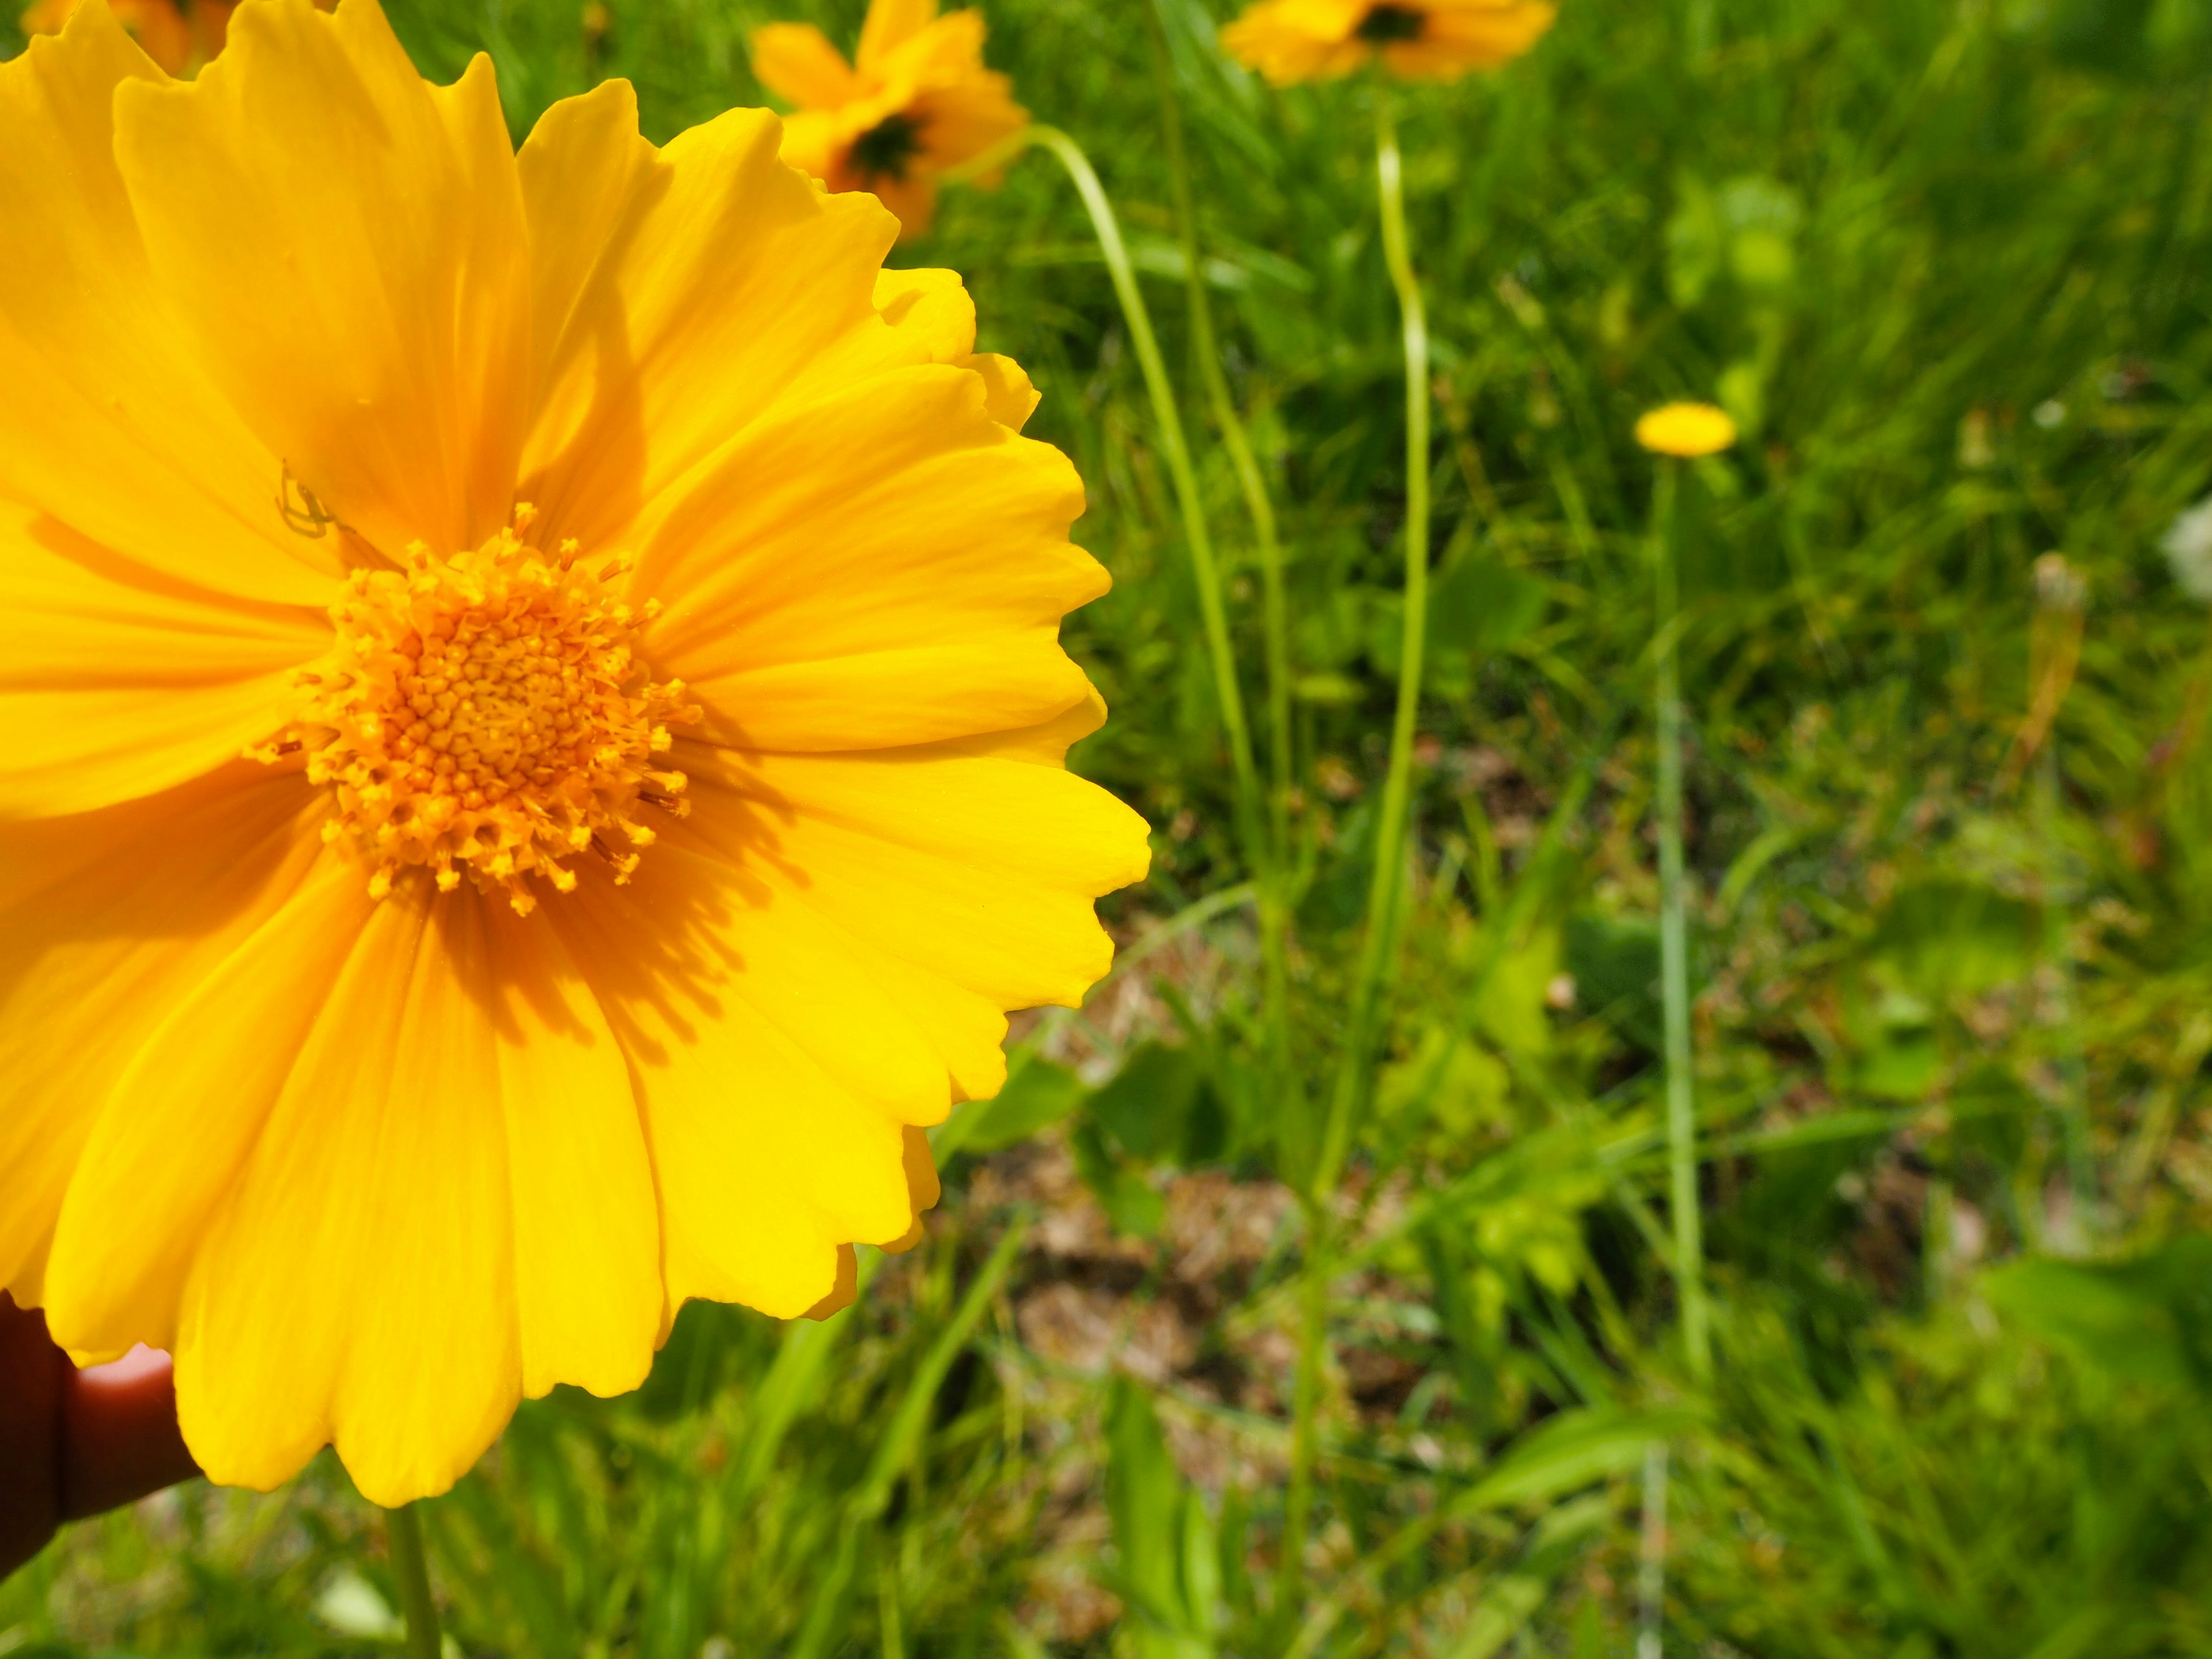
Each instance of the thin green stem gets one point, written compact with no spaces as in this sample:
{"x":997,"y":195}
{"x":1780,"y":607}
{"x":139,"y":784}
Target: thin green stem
{"x":1674,"y":942}
{"x":403,"y":1538}
{"x":1211,"y":606}
{"x":1378,"y":949}
{"x":1651,"y":1562}
{"x":1305,"y":1421}
{"x":1274,"y":917}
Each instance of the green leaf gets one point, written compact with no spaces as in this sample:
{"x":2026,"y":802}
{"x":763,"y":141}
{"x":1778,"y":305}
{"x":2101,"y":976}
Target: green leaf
{"x":1037,"y":1093}
{"x":1147,"y":1107}
{"x":1569,"y":1450}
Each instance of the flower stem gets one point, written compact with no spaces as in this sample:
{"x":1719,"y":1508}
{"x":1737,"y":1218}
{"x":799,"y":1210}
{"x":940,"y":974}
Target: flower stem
{"x":1211,"y":604}
{"x":402,"y":1535}
{"x":1651,"y":1557}
{"x":1378,"y":948}
{"x":1673,"y":941}
{"x":1274,"y":868}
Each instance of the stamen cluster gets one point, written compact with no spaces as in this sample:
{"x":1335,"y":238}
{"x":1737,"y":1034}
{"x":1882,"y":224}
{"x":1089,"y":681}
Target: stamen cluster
{"x":486,"y":714}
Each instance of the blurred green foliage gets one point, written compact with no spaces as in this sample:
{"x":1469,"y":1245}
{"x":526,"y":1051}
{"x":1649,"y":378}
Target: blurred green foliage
{"x":1950,"y":266}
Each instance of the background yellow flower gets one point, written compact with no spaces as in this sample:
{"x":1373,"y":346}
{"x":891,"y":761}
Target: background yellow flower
{"x":915,"y":100}
{"x":1685,"y":429}
{"x":177,"y":38}
{"x":373,"y":1170}
{"x":1288,"y":41}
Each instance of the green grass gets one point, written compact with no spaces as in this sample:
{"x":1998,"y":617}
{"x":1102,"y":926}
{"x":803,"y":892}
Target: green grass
{"x":1952,"y":266}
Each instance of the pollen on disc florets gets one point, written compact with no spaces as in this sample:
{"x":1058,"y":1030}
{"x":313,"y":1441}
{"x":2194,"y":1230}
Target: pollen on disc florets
{"x":487,"y":715}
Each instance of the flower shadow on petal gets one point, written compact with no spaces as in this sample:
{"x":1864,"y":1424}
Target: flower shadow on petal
{"x":658,"y":949}
{"x":592,"y":446}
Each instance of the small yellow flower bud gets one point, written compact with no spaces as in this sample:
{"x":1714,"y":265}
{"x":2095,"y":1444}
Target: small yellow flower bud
{"x":1685,"y":429}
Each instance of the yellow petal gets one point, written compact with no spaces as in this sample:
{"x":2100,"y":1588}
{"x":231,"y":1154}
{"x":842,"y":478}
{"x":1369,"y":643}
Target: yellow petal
{"x":1460,"y":35}
{"x":589,"y":1295}
{"x":1007,"y":392}
{"x":889,"y":25}
{"x":912,"y":598}
{"x":765,"y":1161}
{"x":358,"y":1284}
{"x":203,"y":1078}
{"x":349,"y":242}
{"x":816,"y":141}
{"x":109,"y":423}
{"x":1290,"y":40}
{"x":796,"y":62}
{"x":107,"y":921}
{"x":843,"y":1289}
{"x":717,"y":279}
{"x":923,"y":1190}
{"x":934,"y":310}
{"x":890,"y":1033}
{"x":979,"y":870}
{"x":449,"y":1205}
{"x":115,"y":682}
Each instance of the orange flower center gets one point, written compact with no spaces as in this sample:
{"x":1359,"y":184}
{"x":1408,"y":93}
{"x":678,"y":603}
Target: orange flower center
{"x":487,"y":713}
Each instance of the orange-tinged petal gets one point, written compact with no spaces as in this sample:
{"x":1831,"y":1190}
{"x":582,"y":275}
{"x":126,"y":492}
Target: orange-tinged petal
{"x":588,"y":1299}
{"x":117,"y":682}
{"x":110,"y":423}
{"x":662,"y":354}
{"x":912,"y":200}
{"x":357,"y":1285}
{"x":960,"y":123}
{"x":796,"y":62}
{"x":1462,"y":36}
{"x":203,"y":1078}
{"x":812,"y":608}
{"x":107,"y":921}
{"x":765,"y":1162}
{"x":978,"y":869}
{"x":448,"y":1203}
{"x":349,"y":242}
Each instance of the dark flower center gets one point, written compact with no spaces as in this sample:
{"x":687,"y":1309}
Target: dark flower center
{"x":1387,"y":22}
{"x":884,"y":150}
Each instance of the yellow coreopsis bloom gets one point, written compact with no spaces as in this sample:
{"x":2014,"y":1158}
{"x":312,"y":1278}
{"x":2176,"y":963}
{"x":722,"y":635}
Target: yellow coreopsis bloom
{"x":915,"y":100}
{"x":1288,"y":41}
{"x":438,"y":935}
{"x":1686,"y":430}
{"x":161,"y":30}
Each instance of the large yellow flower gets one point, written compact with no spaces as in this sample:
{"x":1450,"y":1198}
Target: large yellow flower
{"x":915,"y":100}
{"x":1288,"y":41}
{"x":379,"y":1029}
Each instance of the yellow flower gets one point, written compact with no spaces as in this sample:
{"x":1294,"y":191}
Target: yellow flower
{"x":157,"y":26}
{"x":915,"y":100}
{"x":759,"y":716}
{"x":1288,"y":41}
{"x":176,"y":39}
{"x":1685,"y":429}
